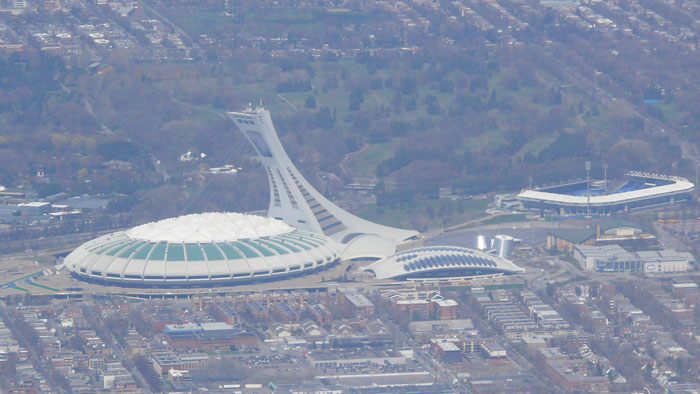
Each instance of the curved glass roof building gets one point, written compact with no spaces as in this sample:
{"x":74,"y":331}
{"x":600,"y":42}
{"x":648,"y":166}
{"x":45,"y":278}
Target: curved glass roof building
{"x":204,"y":249}
{"x":440,"y":262}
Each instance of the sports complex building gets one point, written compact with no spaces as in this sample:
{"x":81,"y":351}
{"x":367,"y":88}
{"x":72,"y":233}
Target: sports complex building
{"x":641,"y":191}
{"x":441,"y":262}
{"x":304,"y":232}
{"x":209,"y":248}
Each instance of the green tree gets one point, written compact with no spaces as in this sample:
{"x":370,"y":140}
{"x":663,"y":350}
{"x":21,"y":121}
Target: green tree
{"x":310,"y":102}
{"x":356,"y":99}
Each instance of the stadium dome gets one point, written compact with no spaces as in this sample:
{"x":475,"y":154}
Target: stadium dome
{"x":440,"y":262}
{"x":202,"y":249}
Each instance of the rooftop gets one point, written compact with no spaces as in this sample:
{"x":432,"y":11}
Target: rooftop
{"x":209,"y":227}
{"x":677,"y":185}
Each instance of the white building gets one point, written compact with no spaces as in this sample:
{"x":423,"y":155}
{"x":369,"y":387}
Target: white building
{"x":613,"y":258}
{"x":202,"y":249}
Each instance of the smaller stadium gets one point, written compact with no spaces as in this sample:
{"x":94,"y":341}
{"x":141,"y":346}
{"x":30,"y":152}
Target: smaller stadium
{"x":202,"y":250}
{"x":640,"y":191}
{"x":440,"y":262}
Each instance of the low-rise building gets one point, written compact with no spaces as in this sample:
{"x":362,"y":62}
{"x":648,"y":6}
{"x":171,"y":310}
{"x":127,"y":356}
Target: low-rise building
{"x":613,"y":258}
{"x":339,"y":359}
{"x":356,"y":303}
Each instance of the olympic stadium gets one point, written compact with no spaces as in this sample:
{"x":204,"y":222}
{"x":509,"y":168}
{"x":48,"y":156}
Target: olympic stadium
{"x":209,"y":248}
{"x":640,"y":191}
{"x":303,"y":232}
{"x":440,"y":262}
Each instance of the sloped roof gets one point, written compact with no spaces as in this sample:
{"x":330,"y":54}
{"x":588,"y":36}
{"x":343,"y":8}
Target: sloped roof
{"x":576,"y":236}
{"x":609,"y":224}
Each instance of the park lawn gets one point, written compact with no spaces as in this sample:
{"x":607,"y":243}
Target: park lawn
{"x":445,"y":99}
{"x":200,"y":113}
{"x":364,"y":162}
{"x":389,"y":217}
{"x":254,"y":92}
{"x":335,"y":99}
{"x":536,"y":144}
{"x":43,"y":286}
{"x":600,"y":122}
{"x":513,"y":218}
{"x":669,"y":109}
{"x":491,"y":138}
{"x":403,"y":215}
{"x":204,"y":22}
{"x":283,"y":19}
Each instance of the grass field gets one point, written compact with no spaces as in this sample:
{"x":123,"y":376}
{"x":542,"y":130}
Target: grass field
{"x":42,"y":286}
{"x":536,"y":144}
{"x":517,"y":217}
{"x":204,"y":22}
{"x":669,"y":109}
{"x":364,"y":162}
{"x":453,"y":212}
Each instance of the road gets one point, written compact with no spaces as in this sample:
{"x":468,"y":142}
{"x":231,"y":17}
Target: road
{"x":431,"y":365}
{"x":287,"y":101}
{"x":169,"y":23}
{"x":159,"y":169}
{"x":217,"y":113}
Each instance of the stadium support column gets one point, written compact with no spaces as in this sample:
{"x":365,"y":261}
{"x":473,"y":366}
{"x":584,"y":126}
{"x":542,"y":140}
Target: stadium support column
{"x":588,"y":188}
{"x":605,"y":185}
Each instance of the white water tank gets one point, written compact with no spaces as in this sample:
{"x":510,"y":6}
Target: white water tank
{"x":503,"y":245}
{"x":481,"y":242}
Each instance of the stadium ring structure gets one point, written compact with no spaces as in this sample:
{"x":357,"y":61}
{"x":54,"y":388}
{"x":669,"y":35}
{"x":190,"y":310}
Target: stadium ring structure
{"x":202,"y":249}
{"x":440,"y":262}
{"x":642,"y":191}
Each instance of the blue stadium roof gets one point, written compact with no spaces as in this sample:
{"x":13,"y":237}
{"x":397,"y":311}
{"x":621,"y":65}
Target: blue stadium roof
{"x":440,"y":261}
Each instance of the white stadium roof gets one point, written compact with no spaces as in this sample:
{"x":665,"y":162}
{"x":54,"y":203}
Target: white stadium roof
{"x":202,"y":249}
{"x":209,"y":227}
{"x":679,"y":185}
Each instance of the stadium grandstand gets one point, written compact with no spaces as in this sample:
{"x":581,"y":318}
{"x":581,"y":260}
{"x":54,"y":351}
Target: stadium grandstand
{"x":641,"y":190}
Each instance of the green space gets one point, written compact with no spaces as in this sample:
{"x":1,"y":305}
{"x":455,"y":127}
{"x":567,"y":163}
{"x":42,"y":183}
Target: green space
{"x":363,"y":162}
{"x":536,"y":144}
{"x":43,"y":286}
{"x":204,"y":22}
{"x":22,"y":278}
{"x":261,"y":21}
{"x":669,"y":109}
{"x":512,"y":218}
{"x":425,"y":214}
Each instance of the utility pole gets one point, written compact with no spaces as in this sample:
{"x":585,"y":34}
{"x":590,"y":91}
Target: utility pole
{"x":588,"y":188}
